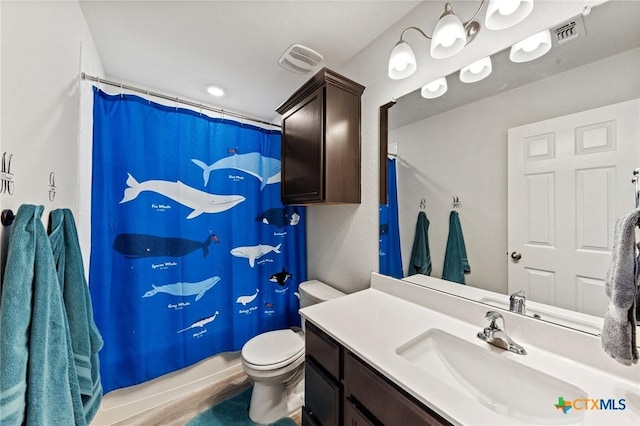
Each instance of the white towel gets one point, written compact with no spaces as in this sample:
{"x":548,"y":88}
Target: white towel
{"x":621,"y":287}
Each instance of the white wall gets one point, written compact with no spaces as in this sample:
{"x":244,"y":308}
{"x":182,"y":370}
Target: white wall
{"x":463,"y":152}
{"x":44,"y":45}
{"x":343,"y":240}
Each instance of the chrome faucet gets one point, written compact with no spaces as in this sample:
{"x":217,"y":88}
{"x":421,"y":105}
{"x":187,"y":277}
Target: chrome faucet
{"x":517,"y":302}
{"x":497,"y":336}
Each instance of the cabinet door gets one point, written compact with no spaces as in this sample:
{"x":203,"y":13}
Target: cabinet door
{"x":322,"y":395}
{"x":303,"y":151}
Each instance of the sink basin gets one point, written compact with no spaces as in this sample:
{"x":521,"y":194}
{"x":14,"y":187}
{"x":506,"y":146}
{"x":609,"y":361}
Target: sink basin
{"x":549,"y":314}
{"x":503,"y":385}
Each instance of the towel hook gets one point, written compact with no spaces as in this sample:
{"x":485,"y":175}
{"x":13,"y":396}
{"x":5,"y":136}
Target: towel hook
{"x":6,"y":177}
{"x":422,"y":204}
{"x":52,"y":186}
{"x":636,"y":182}
{"x":456,"y":202}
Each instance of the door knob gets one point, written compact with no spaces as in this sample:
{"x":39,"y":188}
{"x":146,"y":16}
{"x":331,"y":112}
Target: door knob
{"x":516,"y":256}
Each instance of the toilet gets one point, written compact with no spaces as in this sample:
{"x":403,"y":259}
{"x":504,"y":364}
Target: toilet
{"x":274,"y":361}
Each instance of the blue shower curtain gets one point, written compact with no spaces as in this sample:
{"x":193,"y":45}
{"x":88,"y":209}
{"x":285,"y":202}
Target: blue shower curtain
{"x":192,"y":251}
{"x":390,"y":254}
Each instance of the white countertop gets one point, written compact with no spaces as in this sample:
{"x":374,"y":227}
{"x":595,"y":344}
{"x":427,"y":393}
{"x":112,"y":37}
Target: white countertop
{"x":373,"y":323}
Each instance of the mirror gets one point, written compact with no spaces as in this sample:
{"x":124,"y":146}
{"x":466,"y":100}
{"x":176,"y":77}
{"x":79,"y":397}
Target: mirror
{"x":455,"y":148}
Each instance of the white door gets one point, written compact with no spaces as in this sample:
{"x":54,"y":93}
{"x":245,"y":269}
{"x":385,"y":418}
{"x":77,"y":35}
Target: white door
{"x":569,"y":178}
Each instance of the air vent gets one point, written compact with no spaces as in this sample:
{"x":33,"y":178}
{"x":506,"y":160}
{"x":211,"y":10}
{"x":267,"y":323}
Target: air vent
{"x":299,"y":59}
{"x":570,"y":30}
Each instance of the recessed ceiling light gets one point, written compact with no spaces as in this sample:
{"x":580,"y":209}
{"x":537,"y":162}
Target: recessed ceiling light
{"x":215,"y":91}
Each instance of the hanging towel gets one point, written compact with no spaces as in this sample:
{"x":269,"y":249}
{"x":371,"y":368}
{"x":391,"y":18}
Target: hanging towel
{"x":456,"y":263}
{"x":420,"y":262}
{"x":34,"y":384}
{"x":621,"y":288}
{"x":85,"y":339}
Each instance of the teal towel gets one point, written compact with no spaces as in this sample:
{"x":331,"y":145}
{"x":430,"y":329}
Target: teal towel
{"x":34,"y":384}
{"x":455,"y":257}
{"x":420,"y":262}
{"x":85,"y":339}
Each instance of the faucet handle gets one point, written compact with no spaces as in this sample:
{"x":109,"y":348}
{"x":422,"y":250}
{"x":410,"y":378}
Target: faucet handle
{"x":493,"y":316}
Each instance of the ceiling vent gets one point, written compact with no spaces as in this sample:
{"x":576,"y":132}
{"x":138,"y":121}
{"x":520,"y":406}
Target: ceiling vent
{"x":570,"y":30}
{"x":299,"y":59}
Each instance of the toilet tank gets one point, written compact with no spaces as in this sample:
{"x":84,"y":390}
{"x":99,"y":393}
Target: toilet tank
{"x":314,"y":291}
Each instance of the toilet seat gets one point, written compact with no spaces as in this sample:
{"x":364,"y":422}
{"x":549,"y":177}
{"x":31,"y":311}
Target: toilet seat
{"x":273,"y":350}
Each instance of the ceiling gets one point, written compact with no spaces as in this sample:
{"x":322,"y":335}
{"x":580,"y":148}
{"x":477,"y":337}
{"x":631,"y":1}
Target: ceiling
{"x":181,"y":47}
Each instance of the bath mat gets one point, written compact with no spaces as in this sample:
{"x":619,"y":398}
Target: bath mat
{"x":232,"y":412}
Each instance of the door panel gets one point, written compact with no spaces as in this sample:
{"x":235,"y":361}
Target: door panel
{"x":568,"y":181}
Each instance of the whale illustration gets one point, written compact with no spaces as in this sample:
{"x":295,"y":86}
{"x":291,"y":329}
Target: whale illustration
{"x":201,"y":322}
{"x":254,"y":252}
{"x":279,"y":217}
{"x":184,"y":289}
{"x":247,"y":299}
{"x":199,"y":201}
{"x":135,"y":246}
{"x":281,"y":277}
{"x":266,"y":169}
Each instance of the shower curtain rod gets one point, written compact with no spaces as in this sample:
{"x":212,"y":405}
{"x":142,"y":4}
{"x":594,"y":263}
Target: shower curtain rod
{"x":175,"y":99}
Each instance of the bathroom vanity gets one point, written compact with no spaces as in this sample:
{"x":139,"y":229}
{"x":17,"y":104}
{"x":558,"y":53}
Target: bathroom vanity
{"x":339,"y":385}
{"x":399,"y":353}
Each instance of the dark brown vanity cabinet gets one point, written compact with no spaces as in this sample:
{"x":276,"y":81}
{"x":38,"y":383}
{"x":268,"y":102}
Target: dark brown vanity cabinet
{"x":321,"y":141}
{"x":340,"y":389}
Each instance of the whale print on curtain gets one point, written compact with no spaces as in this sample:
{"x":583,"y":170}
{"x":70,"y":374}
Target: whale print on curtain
{"x":192,"y":251}
{"x":390,"y":256}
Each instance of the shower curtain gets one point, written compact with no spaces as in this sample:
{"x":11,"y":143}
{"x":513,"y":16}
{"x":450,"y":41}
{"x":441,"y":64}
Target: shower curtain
{"x":192,"y":252}
{"x":390,"y":254}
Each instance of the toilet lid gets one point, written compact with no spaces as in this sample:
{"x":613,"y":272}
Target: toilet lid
{"x":273,"y":347}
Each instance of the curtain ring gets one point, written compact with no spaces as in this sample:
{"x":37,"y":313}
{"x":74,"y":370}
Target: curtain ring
{"x":121,"y":92}
{"x":148,"y":97}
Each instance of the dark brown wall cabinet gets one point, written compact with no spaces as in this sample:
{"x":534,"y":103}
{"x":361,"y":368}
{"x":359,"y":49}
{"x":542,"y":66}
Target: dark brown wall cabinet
{"x":340,"y":389}
{"x":321,"y":141}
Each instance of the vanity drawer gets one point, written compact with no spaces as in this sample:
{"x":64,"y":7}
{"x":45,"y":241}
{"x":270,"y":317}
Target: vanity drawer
{"x":353,"y":416}
{"x":323,"y":349}
{"x":389,"y":404}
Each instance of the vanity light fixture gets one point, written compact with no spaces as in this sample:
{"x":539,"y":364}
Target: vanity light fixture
{"x":434,"y":89}
{"x":531,"y":47}
{"x":476,"y":71}
{"x":451,"y":35}
{"x":215,"y":91}
{"x":503,"y":14}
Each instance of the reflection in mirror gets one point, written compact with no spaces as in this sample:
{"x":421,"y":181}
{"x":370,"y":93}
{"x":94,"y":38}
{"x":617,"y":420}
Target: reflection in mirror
{"x":540,"y":156}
